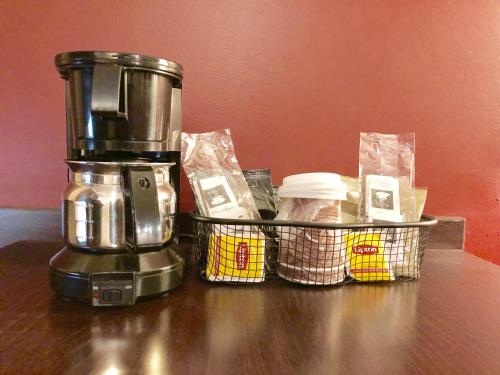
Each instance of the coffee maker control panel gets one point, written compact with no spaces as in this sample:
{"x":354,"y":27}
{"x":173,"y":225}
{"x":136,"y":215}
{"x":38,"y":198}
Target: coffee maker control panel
{"x":113,"y":288}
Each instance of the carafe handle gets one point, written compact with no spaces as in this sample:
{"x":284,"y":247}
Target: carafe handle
{"x":109,"y":91}
{"x":142,"y":213}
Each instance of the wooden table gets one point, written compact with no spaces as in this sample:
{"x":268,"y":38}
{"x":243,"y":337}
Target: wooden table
{"x":448,"y":322}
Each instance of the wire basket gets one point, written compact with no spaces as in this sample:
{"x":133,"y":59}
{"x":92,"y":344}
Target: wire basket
{"x":253,"y":251}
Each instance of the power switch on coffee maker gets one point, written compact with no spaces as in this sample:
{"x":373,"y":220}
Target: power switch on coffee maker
{"x":112,"y":289}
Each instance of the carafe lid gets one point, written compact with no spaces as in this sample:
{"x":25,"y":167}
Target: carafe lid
{"x":68,"y":60}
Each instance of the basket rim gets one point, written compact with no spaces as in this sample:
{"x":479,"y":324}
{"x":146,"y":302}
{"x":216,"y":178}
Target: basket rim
{"x":425,"y":221}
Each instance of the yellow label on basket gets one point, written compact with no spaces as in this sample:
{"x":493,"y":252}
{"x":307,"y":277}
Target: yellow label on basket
{"x":235,"y":259}
{"x":365,"y":252}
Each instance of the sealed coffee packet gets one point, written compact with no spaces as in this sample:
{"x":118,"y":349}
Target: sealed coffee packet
{"x":215,"y":176}
{"x":387,"y":178}
{"x":387,"y":194}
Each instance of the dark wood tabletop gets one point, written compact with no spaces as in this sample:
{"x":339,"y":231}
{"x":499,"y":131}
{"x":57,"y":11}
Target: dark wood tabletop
{"x":447,"y":322}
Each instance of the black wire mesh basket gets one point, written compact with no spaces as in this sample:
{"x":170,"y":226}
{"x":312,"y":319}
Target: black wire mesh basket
{"x":253,"y":251}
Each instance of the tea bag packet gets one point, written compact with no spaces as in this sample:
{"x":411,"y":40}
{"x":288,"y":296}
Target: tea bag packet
{"x":236,"y":253}
{"x":367,"y":258}
{"x":386,"y":178}
{"x":215,"y":176}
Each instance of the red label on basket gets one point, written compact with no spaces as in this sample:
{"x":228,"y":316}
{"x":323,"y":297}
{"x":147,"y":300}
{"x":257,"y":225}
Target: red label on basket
{"x":365,"y":249}
{"x":242,"y":256}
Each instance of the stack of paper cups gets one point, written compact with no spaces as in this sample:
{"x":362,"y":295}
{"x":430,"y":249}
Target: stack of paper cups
{"x":312,"y":255}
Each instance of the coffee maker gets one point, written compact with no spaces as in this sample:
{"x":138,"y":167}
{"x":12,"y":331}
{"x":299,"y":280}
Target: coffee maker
{"x":123,"y":128}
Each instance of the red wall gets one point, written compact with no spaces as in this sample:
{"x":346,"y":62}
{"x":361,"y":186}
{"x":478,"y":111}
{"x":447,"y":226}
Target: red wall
{"x":296,"y":81}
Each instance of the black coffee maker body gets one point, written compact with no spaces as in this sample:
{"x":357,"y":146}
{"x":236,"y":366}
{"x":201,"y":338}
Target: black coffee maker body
{"x":123,"y":128}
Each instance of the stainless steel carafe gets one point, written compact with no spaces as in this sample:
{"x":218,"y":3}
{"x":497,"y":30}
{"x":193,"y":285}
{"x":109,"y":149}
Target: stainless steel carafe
{"x":110,"y":206}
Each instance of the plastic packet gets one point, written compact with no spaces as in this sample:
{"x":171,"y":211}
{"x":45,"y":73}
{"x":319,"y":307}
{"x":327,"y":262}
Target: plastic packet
{"x":215,"y":176}
{"x":420,"y":198}
{"x":277,"y":199}
{"x":349,"y":207}
{"x":260,"y":184}
{"x":387,"y":178}
{"x":402,"y":247}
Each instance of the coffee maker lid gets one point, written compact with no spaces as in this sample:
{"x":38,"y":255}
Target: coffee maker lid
{"x":76,"y":59}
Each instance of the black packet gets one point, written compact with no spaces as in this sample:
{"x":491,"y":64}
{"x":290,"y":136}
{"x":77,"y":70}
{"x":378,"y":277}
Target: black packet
{"x":260,"y":184}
